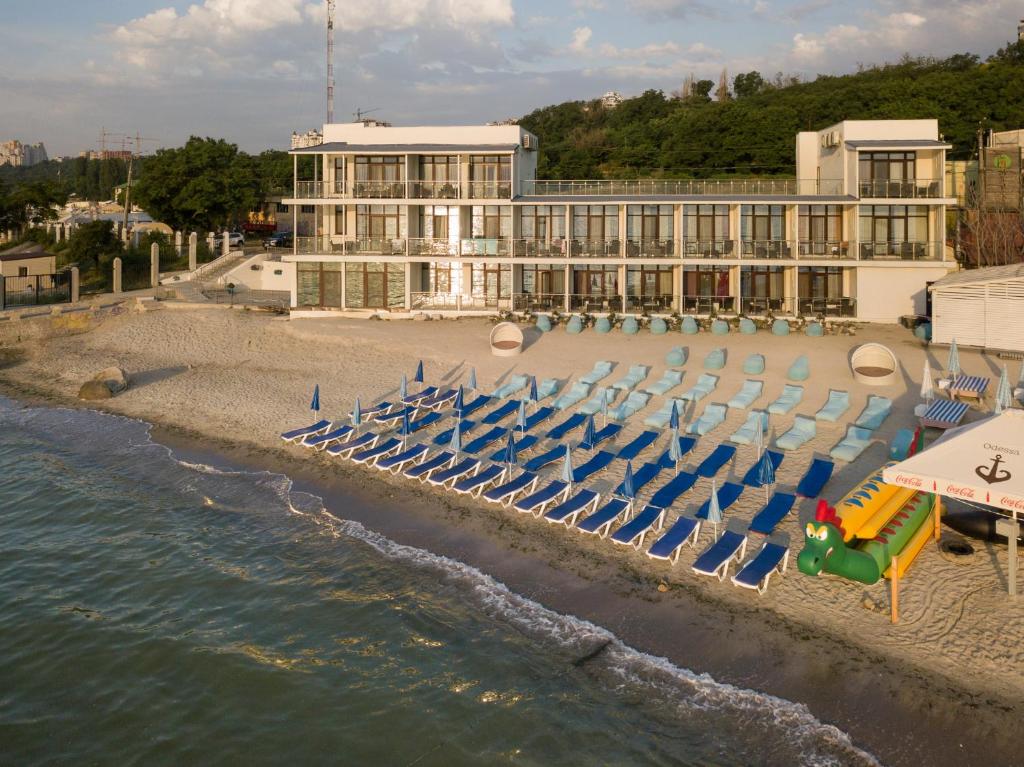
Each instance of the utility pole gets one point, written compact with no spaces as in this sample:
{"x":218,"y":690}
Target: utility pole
{"x":330,"y":61}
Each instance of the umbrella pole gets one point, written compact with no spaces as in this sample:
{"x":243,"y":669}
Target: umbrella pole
{"x":938,"y":517}
{"x":895,"y":585}
{"x":1012,"y":541}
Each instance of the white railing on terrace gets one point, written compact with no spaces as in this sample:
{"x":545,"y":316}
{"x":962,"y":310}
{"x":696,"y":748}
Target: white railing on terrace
{"x":763,"y":187}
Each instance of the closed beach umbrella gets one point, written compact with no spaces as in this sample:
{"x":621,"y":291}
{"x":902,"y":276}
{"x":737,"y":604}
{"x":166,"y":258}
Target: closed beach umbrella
{"x":510,"y":449}
{"x":533,"y":390}
{"x":357,"y":414}
{"x":927,"y":388}
{"x":628,"y":490}
{"x":588,"y":433}
{"x":673,"y":418}
{"x":406,"y":425}
{"x":459,"y":403}
{"x":521,"y":416}
{"x":759,"y":437}
{"x":418,"y":378}
{"x":953,"y":366}
{"x":714,"y":510}
{"x":567,"y":466}
{"x":766,"y":473}
{"x":1004,"y":398}
{"x":403,"y":387}
{"x":674,"y":453}
{"x":455,"y":443}
{"x":604,"y":406}
{"x":472,"y":379}
{"x":315,"y":404}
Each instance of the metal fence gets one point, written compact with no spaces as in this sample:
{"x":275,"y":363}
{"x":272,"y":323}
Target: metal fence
{"x":36,"y":289}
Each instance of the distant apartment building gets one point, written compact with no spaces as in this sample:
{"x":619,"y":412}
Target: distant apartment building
{"x":107,"y":154}
{"x":454,"y":219}
{"x":21,"y":155}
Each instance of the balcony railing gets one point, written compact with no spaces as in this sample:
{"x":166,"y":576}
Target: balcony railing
{"x":765,"y":249}
{"x":437,"y":248}
{"x":761,"y":187}
{"x":531,"y":248}
{"x":761,"y":305}
{"x":921,"y":188}
{"x":709,"y":249}
{"x":828,"y":307}
{"x":662,"y":303}
{"x":825,"y":249}
{"x":707,"y":304}
{"x":318,"y":190}
{"x":326,"y":244}
{"x":486,"y":247}
{"x":380,"y":190}
{"x":488,"y":190}
{"x":905,"y":251}
{"x":454,"y":302}
{"x":595,"y":248}
{"x":586,"y":302}
{"x":650,"y":248}
{"x":538,"y":302}
{"x":434,"y":190}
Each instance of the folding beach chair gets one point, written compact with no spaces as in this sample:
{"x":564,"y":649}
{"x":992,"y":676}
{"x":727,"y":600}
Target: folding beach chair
{"x":395,"y":416}
{"x":537,"y":502}
{"x":771,"y":558}
{"x":778,"y":506}
{"x":426,"y":421}
{"x":296,"y":434}
{"x":944,"y":414}
{"x":684,"y":532}
{"x":730,"y":547}
{"x":650,"y":520}
{"x":569,"y":510}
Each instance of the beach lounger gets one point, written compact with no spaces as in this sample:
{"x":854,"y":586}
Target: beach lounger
{"x":728,"y":494}
{"x":397,"y":462}
{"x":969,"y":386}
{"x":771,"y":558}
{"x":713,"y":415}
{"x":670,"y":380}
{"x":684,"y":531}
{"x":600,"y":522}
{"x":943,"y":414}
{"x":522,"y":445}
{"x":548,"y":388}
{"x":604,"y":433}
{"x":321,"y":440}
{"x":296,"y":434}
{"x":572,"y":422}
{"x":706,"y":384}
{"x":715,"y":560}
{"x":542,"y":414}
{"x":538,"y":501}
{"x":383,"y":449}
{"x":485,"y":439}
{"x":362,"y":442}
{"x":471,"y":407}
{"x":375,"y":411}
{"x":686,"y":444}
{"x":505,"y":494}
{"x":428,"y":420}
{"x":721,"y":455}
{"x":475,"y":484}
{"x":437,"y":462}
{"x":745,"y":397}
{"x":849,"y":448}
{"x":789,"y":399}
{"x":445,"y":437}
{"x":660,"y":419}
{"x":569,"y":510}
{"x":631,"y":450}
{"x":838,"y":403}
{"x":632,"y":379}
{"x":778,"y":506}
{"x":669,"y":493}
{"x":601,"y":370}
{"x":598,"y":462}
{"x":576,"y":394}
{"x":417,"y":397}
{"x":503,"y":410}
{"x":750,"y":479}
{"x":451,"y":475}
{"x":438,"y":400}
{"x":747,"y":433}
{"x":803,"y":430}
{"x":637,"y":400}
{"x":753,"y":365}
{"x":395,"y":417}
{"x":813,"y":481}
{"x":643,"y":477}
{"x":874,"y":413}
{"x":650,"y":520}
{"x":595,"y":403}
{"x":548,"y":457}
{"x":514,"y":384}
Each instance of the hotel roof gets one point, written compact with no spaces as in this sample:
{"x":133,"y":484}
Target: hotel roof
{"x":976,"y":276}
{"x":344,"y":146}
{"x":897,"y":144}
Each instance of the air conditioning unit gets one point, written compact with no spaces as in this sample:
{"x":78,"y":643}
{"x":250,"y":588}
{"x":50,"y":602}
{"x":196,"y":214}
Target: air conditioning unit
{"x":529,"y":142}
{"x":830,"y":140}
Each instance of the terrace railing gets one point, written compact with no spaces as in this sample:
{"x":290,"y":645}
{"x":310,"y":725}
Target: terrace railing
{"x":538,"y":302}
{"x":828,"y":307}
{"x":663,"y":303}
{"x":905,"y":251}
{"x":912,"y":188}
{"x":595,"y":304}
{"x":436,"y":248}
{"x":318,"y":190}
{"x":650,"y":248}
{"x":532,"y":248}
{"x":760,"y":187}
{"x":825,"y":249}
{"x":765,"y":249}
{"x":709,"y":249}
{"x":761,"y":305}
{"x":707,"y":304}
{"x":488,"y":190}
{"x":380,"y":190}
{"x":434,"y":190}
{"x":595,"y":248}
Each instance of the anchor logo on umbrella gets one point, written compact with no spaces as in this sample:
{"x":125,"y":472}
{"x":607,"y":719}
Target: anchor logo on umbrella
{"x":993,"y":474}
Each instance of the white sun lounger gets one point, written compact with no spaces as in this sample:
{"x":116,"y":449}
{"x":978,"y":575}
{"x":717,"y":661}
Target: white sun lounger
{"x":397,"y":463}
{"x":684,"y":532}
{"x":362,"y":442}
{"x":730,"y":547}
{"x":480,"y":481}
{"x":600,"y":522}
{"x":569,"y":510}
{"x":602,"y":369}
{"x":771,"y":558}
{"x":506,"y":493}
{"x":383,"y":449}
{"x":453,"y":474}
{"x":296,"y":434}
{"x":321,"y":440}
{"x":537,"y":502}
{"x":437,"y":462}
{"x":651,"y":519}
{"x":745,"y":397}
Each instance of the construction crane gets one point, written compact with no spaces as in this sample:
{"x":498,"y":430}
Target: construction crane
{"x":330,"y":61}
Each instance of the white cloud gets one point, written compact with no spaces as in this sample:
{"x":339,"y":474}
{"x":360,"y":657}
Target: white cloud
{"x":580,"y":39}
{"x":672,"y":9}
{"x":588,"y":5}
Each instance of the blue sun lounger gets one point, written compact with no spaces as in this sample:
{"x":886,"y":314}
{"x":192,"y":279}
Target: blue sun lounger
{"x":650,"y":520}
{"x":569,"y":510}
{"x":321,"y":440}
{"x":856,"y":441}
{"x":522,"y":445}
{"x":670,"y":380}
{"x":745,"y":397}
{"x":750,"y":479}
{"x":362,"y":442}
{"x":515,"y":383}
{"x":715,"y":559}
{"x":778,"y":506}
{"x":813,"y":482}
{"x":686,"y":444}
{"x":602,"y":369}
{"x":557,"y":453}
{"x":538,"y":501}
{"x":454,"y":473}
{"x":728,"y":493}
{"x":598,"y":462}
{"x":396,"y":463}
{"x":706,"y":384}
{"x":572,"y":422}
{"x":475,"y":484}
{"x":600,"y":522}
{"x":643,"y":477}
{"x":684,"y":531}
{"x":669,"y":493}
{"x":380,"y":450}
{"x":721,"y":455}
{"x":374,"y":411}
{"x":713,"y":415}
{"x":297,"y":434}
{"x":437,"y":462}
{"x":594,"y":404}
{"x":502,"y":411}
{"x":771,"y":558}
{"x":440,"y":399}
{"x":632,"y":379}
{"x":660,"y":419}
{"x":789,"y":399}
{"x":874,"y":413}
{"x":804,"y":429}
{"x":838,"y":402}
{"x":631,"y":450}
{"x":542,"y":414}
{"x":428,"y":420}
{"x":747,"y":433}
{"x":636,"y":400}
{"x":506,"y":493}
{"x":396,"y":416}
{"x":477,"y":403}
{"x":576,"y":394}
{"x":420,"y":396}
{"x":444,"y":437}
{"x":485,"y":439}
{"x":601,"y":435}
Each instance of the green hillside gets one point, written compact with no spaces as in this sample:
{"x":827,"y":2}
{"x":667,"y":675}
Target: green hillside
{"x":752,"y":133}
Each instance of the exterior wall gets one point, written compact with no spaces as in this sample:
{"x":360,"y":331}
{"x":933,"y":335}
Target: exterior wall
{"x":884,"y":294}
{"x":358,"y":133}
{"x":34,"y":265}
{"x":264,"y":278}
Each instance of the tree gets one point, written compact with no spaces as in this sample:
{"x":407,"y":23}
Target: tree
{"x":205,"y":185}
{"x":747,"y":84}
{"x":722,"y":91}
{"x":702,"y":90}
{"x":93,"y":243}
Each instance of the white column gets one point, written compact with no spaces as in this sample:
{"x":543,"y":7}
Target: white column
{"x":225,"y":246}
{"x":193,"y":244}
{"x":154,"y":265}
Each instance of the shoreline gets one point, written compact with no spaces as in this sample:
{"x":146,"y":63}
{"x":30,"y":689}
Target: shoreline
{"x":900,"y":714}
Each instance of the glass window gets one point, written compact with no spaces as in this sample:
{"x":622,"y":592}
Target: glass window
{"x":705,"y":223}
{"x":543,"y":279}
{"x":439,"y":222}
{"x":706,"y":281}
{"x":491,"y":282}
{"x":596,"y":280}
{"x":439,"y":168}
{"x":893,"y":223}
{"x":820,"y":282}
{"x":542,"y":222}
{"x":648,"y":223}
{"x":340,"y":222}
{"x":492,"y":222}
{"x":381,"y":222}
{"x":821,"y":223}
{"x":380,"y":168}
{"x":649,"y":281}
{"x":886,"y":166}
{"x":761,"y":282}
{"x":374,"y":285}
{"x":760,"y":223}
{"x":595,"y":222}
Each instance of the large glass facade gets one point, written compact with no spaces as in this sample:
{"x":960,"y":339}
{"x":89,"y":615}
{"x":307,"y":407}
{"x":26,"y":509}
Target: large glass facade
{"x":490,"y":176}
{"x":380,"y":176}
{"x":318,"y":283}
{"x":706,"y":288}
{"x":491,"y":283}
{"x":374,"y":285}
{"x":761,"y":289}
{"x":649,"y":288}
{"x":894,"y":231}
{"x":706,"y":230}
{"x":821,"y":230}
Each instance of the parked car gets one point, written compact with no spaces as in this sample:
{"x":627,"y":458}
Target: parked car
{"x":278,"y":240}
{"x":235,"y":240}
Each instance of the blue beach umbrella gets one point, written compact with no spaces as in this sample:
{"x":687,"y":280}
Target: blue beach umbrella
{"x":953,"y":366}
{"x":628,"y":490}
{"x":315,"y":404}
{"x":674,"y":453}
{"x":472,"y":379}
{"x":418,"y":378}
{"x":403,"y":387}
{"x":1004,"y":397}
{"x":588,"y":433}
{"x":766,"y":473}
{"x":459,"y":403}
{"x":567,"y":466}
{"x":533,"y":390}
{"x":455,"y":443}
{"x":510,"y":449}
{"x":714,"y":510}
{"x":406,"y":428}
{"x":521,"y":416}
{"x":357,"y":414}
{"x":759,"y":437}
{"x":673,"y":417}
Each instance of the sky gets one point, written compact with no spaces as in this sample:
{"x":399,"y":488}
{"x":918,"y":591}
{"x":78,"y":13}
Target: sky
{"x":253,"y":71}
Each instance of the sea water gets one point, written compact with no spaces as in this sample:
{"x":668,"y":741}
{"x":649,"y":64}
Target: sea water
{"x":157,"y":612}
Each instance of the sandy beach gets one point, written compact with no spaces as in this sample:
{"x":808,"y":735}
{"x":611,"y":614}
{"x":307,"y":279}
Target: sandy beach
{"x":939,"y":687}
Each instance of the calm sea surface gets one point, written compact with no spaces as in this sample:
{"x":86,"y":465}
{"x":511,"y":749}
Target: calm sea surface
{"x":157,"y":612}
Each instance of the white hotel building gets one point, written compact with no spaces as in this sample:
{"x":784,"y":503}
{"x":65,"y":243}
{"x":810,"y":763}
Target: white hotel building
{"x":453,"y":219}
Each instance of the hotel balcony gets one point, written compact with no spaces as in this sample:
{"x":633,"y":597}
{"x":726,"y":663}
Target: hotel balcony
{"x":921,"y":189}
{"x":902,"y":251}
{"x":707,"y":304}
{"x":815,"y":249}
{"x":709,"y":249}
{"x":452,"y":302}
{"x":758,"y":187}
{"x":319,"y":190}
{"x":773,"y":249}
{"x":661,"y":303}
{"x":538,"y":302}
{"x":828,"y":307}
{"x":650,"y":248}
{"x":403,"y":190}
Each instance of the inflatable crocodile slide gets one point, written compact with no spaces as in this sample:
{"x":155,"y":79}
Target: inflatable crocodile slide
{"x":858,"y":538}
